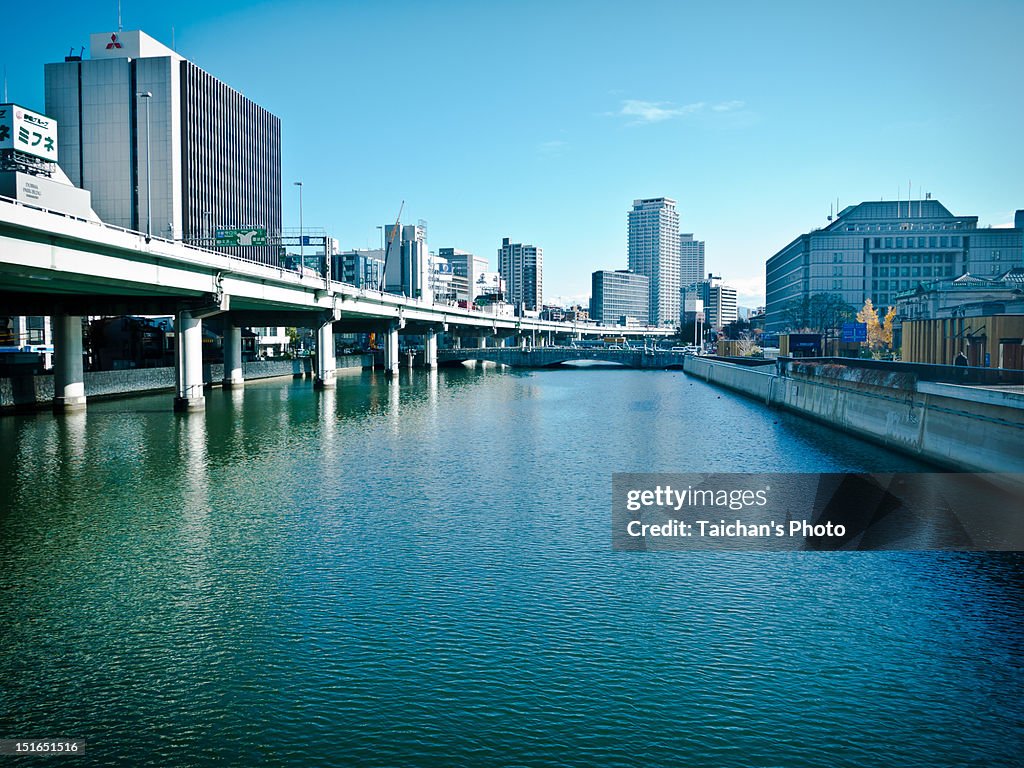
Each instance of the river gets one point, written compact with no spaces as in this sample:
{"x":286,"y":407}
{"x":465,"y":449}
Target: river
{"x":421,"y":574}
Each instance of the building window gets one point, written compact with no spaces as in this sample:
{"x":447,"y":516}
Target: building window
{"x":995,"y":255}
{"x":888,"y":242}
{"x":899,"y":242}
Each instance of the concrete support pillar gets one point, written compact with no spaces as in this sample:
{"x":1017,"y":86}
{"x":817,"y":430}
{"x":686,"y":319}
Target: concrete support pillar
{"x":430,"y":349}
{"x":481,"y":342}
{"x":188,"y":362}
{"x":326,"y":363}
{"x":391,"y":350}
{"x":233,"y":376}
{"x":522,"y":342}
{"x":68,"y":371}
{"x":457,"y":342}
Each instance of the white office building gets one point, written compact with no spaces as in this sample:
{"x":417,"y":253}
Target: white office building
{"x":138,"y":123}
{"x":466,"y":270}
{"x":653,"y":240}
{"x":721,"y":305}
{"x":407,"y":270}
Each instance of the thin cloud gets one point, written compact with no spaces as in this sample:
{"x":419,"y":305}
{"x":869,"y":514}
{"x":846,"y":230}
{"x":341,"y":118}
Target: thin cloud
{"x":552,"y":147}
{"x":727,"y":106}
{"x":643,"y":112}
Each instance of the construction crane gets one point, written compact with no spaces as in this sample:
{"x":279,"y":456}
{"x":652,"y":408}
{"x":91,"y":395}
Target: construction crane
{"x":387,"y":248}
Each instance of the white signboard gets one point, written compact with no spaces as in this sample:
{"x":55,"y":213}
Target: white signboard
{"x":28,"y":132}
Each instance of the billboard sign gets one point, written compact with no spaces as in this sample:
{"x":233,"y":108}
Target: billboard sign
{"x":854,"y":332}
{"x":28,"y":132}
{"x":242,"y":236}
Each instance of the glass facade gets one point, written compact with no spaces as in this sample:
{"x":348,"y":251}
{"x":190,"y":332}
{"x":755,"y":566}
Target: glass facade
{"x":618,"y":294}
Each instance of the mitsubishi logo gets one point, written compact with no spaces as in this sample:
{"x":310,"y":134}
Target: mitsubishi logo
{"x":113,"y":42}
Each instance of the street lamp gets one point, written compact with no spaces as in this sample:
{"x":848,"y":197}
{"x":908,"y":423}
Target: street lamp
{"x":302,"y":243}
{"x":147,"y":95}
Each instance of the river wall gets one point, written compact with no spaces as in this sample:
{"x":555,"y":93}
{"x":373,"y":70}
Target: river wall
{"x":961,"y":427}
{"x":33,"y":392}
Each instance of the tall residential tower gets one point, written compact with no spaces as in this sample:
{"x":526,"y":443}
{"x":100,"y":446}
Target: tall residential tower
{"x":691,"y":259}
{"x":654,"y":251}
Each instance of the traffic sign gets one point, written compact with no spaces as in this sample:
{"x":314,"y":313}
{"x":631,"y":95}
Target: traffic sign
{"x":242,"y":236}
{"x":854,"y":332}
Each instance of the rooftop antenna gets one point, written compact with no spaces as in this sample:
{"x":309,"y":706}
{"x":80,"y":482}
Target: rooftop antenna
{"x":5,"y":83}
{"x":172,"y":38}
{"x":119,"y":27}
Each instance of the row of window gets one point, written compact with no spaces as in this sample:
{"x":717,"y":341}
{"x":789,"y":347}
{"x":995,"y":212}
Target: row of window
{"x":930,"y":241}
{"x":902,"y":227}
{"x":915,"y":258}
{"x":913,"y":272}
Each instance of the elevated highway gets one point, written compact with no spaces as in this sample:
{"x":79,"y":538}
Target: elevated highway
{"x":67,"y":267}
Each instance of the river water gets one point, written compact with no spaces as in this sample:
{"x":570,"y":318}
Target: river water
{"x":421,"y":574}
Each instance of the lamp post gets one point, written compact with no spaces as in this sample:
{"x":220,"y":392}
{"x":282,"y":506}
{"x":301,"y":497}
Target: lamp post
{"x":302,"y":243}
{"x":147,"y":95}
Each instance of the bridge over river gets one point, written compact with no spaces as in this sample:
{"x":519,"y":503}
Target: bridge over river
{"x":547,"y":357}
{"x":67,"y":267}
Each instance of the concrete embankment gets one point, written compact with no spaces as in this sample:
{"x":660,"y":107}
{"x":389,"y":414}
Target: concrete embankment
{"x":961,"y":427}
{"x":34,"y":392}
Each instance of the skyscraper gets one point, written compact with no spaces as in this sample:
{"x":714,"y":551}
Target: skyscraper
{"x":691,"y":259}
{"x":138,"y":122}
{"x":654,"y":251}
{"x":522,"y":269}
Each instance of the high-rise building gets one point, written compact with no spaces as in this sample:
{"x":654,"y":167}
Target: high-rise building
{"x":653,"y":239}
{"x":138,"y":122}
{"x":879,"y":249}
{"x":618,"y":294}
{"x":522,"y":269}
{"x":407,"y":260}
{"x":691,"y":259}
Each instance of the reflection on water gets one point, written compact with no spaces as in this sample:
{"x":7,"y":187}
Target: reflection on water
{"x":420,"y":573}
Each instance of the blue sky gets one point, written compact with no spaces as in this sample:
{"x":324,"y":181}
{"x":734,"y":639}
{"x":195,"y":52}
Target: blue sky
{"x":542,"y":121}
